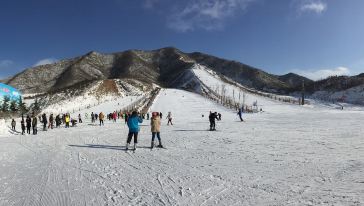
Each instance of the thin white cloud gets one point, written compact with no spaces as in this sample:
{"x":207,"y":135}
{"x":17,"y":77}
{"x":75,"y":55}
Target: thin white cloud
{"x":150,"y":4}
{"x":323,"y":73}
{"x":205,"y":14}
{"x":45,"y":61}
{"x":313,"y":6}
{"x":6,"y":63}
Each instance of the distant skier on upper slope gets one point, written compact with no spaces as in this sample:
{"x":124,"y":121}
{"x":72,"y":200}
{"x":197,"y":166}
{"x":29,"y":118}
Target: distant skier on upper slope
{"x":169,"y":117}
{"x":240,"y":113}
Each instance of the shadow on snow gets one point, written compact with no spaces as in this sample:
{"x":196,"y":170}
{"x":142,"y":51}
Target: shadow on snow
{"x":97,"y":146}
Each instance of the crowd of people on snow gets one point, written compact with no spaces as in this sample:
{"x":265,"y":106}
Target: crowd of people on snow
{"x":132,"y":120}
{"x":31,"y":122}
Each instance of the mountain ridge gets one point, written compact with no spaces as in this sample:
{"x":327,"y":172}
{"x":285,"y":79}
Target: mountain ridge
{"x":160,"y":66}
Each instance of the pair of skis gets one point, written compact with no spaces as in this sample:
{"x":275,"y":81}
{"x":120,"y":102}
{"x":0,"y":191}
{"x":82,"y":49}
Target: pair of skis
{"x":159,"y":147}
{"x":133,"y":150}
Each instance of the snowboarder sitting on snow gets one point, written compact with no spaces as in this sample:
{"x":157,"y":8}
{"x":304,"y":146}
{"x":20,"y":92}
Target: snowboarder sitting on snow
{"x":133,"y":124}
{"x":212,"y":118}
{"x":240,"y":113}
{"x":155,"y":123}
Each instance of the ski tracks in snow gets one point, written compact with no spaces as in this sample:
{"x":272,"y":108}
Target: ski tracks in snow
{"x":288,"y":158}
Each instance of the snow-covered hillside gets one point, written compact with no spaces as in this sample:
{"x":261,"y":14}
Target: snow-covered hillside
{"x":212,"y":80}
{"x":204,"y":81}
{"x":354,"y":95}
{"x":288,"y":155}
{"x":91,"y":96}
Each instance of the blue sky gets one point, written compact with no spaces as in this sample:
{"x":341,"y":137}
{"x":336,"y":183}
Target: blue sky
{"x":314,"y":38}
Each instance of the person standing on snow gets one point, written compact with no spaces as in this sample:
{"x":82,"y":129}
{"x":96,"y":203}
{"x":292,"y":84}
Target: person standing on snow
{"x":160,"y":115}
{"x":115,"y":115}
{"x":92,"y":117}
{"x":133,"y":124}
{"x":22,"y":125}
{"x":101,"y":118}
{"x":212,"y":118}
{"x":29,"y":124}
{"x":79,"y":118}
{"x":240,"y":113}
{"x":64,"y":118}
{"x":51,"y":120}
{"x":13,"y":124}
{"x":58,"y":121}
{"x":155,"y":123}
{"x":169,"y":117}
{"x":126,"y":118}
{"x":34,"y":125}
{"x":44,"y":121}
{"x":67,"y":120}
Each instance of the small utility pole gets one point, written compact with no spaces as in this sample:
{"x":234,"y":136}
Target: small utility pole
{"x":303,"y":93}
{"x":239,"y":99}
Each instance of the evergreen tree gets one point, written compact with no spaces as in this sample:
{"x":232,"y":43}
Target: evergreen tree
{"x":5,"y":106}
{"x":13,"y":106}
{"x":22,"y":107}
{"x":36,"y":106}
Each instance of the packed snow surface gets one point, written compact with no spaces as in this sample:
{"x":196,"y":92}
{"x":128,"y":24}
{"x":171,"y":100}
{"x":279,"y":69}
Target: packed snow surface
{"x":287,"y":155}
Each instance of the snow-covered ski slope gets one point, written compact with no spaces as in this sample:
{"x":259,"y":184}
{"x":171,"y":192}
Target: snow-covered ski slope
{"x":288,"y":155}
{"x":212,"y":80}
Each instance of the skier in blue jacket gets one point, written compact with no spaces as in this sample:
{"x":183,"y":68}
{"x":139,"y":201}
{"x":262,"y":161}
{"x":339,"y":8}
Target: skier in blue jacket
{"x":133,"y":124}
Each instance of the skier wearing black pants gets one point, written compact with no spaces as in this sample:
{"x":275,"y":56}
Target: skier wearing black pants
{"x":79,"y":118}
{"x":169,"y":117}
{"x":29,"y":124}
{"x":212,"y":118}
{"x":34,"y":125}
{"x":130,"y":136}
{"x":240,"y":113}
{"x":13,"y":124}
{"x":44,"y":121}
{"x":133,"y":124}
{"x":22,"y":125}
